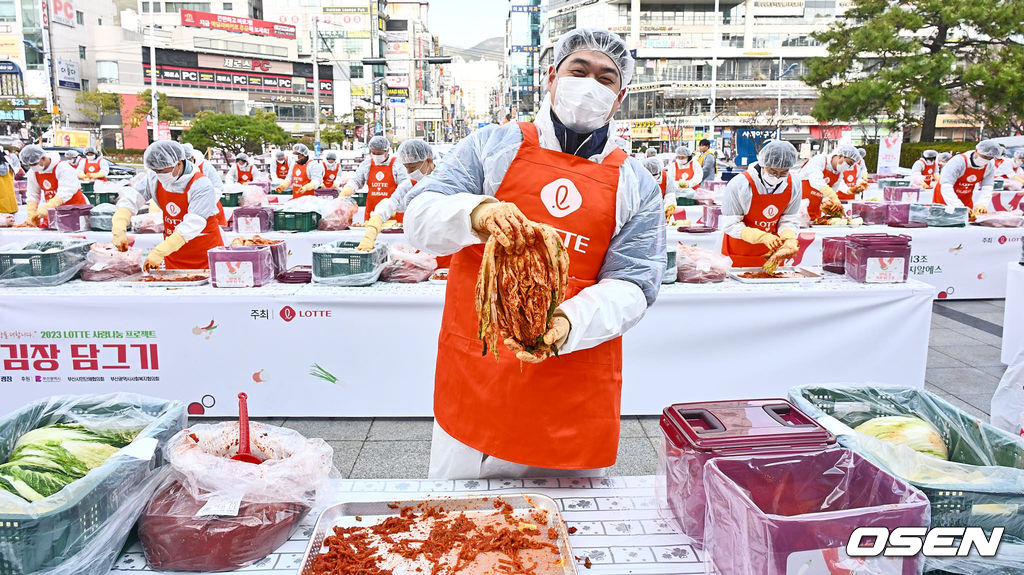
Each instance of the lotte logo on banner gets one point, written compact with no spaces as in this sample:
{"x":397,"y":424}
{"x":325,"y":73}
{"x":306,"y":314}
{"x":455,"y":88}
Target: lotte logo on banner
{"x":287,"y":313}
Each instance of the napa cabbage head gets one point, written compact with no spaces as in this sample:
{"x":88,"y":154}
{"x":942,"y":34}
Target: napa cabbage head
{"x":912,"y":432}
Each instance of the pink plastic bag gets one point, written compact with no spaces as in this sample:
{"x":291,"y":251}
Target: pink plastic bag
{"x":700,"y":266}
{"x":408,"y":265}
{"x":149,"y":223}
{"x":105,"y":263}
{"x":6,"y":220}
{"x":252,"y":197}
{"x":1014,"y":219}
{"x":339,"y":217}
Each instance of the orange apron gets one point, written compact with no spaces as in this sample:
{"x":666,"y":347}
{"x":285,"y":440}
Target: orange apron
{"x":664,"y":182}
{"x":682,"y":173}
{"x":48,"y":186}
{"x":193,"y":254}
{"x":928,"y":171}
{"x":963,"y":187}
{"x":330,"y":174}
{"x":299,"y":179}
{"x":809,"y":193}
{"x":93,"y":168}
{"x":381,"y":183}
{"x":281,"y":170}
{"x":562,"y":413}
{"x":850,"y":179}
{"x":222,"y":218}
{"x":244,"y":177}
{"x":764,"y":214}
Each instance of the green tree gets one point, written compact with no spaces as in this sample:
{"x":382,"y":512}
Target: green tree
{"x":235,"y":134}
{"x":886,"y":57}
{"x":165,"y":111}
{"x":95,"y":104}
{"x":338,"y":132}
{"x":993,"y":95}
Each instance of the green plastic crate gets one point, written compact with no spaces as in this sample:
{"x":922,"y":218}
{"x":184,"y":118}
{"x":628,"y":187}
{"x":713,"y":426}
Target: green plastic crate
{"x":362,"y":267}
{"x":360,"y":200}
{"x":30,"y":543}
{"x":681,"y":201}
{"x":23,"y":264}
{"x":230,"y":199}
{"x":969,"y":441}
{"x":88,"y":186}
{"x":97,"y":198}
{"x":284,"y":192}
{"x":295,"y":221}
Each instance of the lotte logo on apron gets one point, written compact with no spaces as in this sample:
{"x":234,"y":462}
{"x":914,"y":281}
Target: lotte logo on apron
{"x":561,"y":197}
{"x":770,"y":212}
{"x":380,"y":176}
{"x":47,"y":184}
{"x":173,"y":209}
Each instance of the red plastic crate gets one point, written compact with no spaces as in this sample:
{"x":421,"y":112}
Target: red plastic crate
{"x":241,"y":266}
{"x":878,"y":258}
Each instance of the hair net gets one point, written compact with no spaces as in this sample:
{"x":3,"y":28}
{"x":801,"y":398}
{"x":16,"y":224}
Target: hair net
{"x":71,"y":154}
{"x":31,"y":154}
{"x":280,"y":155}
{"x":331,"y":156}
{"x":847,"y":151}
{"x":651,"y":152}
{"x":929,"y":154}
{"x":379,"y":143}
{"x":414,"y":151}
{"x":945,"y":156}
{"x":163,"y":154}
{"x":684,"y":151}
{"x":1019,"y":153}
{"x":242,"y":158}
{"x":863,"y":152}
{"x":189,"y":150}
{"x":777,"y":154}
{"x":989,"y":148}
{"x":91,"y":150}
{"x":653,"y":165}
{"x":598,"y":40}
{"x":301,"y":150}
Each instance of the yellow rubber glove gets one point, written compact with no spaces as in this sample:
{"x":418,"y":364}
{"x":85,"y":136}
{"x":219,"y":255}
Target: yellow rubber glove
{"x":504,"y":221}
{"x":173,"y":243}
{"x":346,"y":191}
{"x":32,"y":215}
{"x":788,"y":249}
{"x":830,"y":200}
{"x":756,"y":236}
{"x":373,"y":226}
{"x":978,"y":210}
{"x":281,"y":188}
{"x":554,"y":337}
{"x":54,"y":203}
{"x":307,"y":188}
{"x":119,"y":228}
{"x":83,"y":176}
{"x":788,"y":234}
{"x":683,"y":184}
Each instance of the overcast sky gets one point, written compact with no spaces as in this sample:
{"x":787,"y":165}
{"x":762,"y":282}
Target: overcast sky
{"x":464,"y":24}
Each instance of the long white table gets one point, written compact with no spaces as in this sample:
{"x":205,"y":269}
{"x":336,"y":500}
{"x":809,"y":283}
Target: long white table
{"x":620,"y":525}
{"x":1013,"y":313}
{"x":313,"y":350}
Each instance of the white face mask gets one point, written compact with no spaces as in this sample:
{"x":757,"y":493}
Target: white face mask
{"x":168,"y":179}
{"x":582,"y":104}
{"x":330,"y":164}
{"x":682,"y":163}
{"x":770,"y":181}
{"x":1017,"y":162}
{"x":379,"y":158}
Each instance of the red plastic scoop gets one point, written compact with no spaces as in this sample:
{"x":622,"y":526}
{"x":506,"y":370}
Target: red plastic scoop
{"x":243,"y":433}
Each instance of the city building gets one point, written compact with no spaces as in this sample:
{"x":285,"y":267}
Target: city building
{"x":476,"y":80}
{"x":522,"y":53}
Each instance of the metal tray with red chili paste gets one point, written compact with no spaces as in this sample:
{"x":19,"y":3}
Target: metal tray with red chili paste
{"x":508,"y":534}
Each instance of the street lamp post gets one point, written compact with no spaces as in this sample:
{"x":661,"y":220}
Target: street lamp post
{"x":152,"y":77}
{"x":714,"y":71}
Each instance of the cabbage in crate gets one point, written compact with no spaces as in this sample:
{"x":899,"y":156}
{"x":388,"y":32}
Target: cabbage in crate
{"x":912,"y":432}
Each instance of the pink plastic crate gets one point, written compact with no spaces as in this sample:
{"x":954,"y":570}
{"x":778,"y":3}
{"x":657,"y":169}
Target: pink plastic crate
{"x":326,"y":192}
{"x":878,"y":258}
{"x":833,"y":254}
{"x":69,"y":219}
{"x":780,"y":515}
{"x":265,"y":186}
{"x":711,"y":215}
{"x":898,"y":214}
{"x":695,"y":433}
{"x":713,"y":186}
{"x":873,"y":213}
{"x":903,"y":194}
{"x":253,"y":220}
{"x":241,"y":266}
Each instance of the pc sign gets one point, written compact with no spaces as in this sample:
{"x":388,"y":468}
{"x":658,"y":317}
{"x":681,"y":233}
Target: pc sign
{"x":935,"y":542}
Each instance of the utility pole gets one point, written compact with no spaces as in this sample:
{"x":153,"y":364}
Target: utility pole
{"x":714,"y":71}
{"x":51,"y":65}
{"x":316,"y":82}
{"x":778,"y":130}
{"x":154,"y":113}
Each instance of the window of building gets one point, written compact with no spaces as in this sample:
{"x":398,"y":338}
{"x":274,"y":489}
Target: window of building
{"x":106,"y":72}
{"x":8,"y":11}
{"x":79,"y":18}
{"x":228,"y":7}
{"x":99,"y":21}
{"x":145,"y":7}
{"x":239,"y":47}
{"x":11,"y":85}
{"x":179,"y":6}
{"x":81,"y":52}
{"x":85,"y":85}
{"x":355,"y":70}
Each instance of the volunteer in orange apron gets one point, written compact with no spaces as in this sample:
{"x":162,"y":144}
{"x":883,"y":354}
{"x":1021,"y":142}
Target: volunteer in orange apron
{"x":306,"y":173}
{"x":666,"y":183}
{"x":280,"y":168}
{"x":243,"y":172}
{"x":529,"y":414}
{"x":853,"y":176}
{"x":380,"y":173}
{"x":923,"y":172}
{"x":651,"y":152}
{"x":73,"y":158}
{"x":966,"y":172}
{"x":760,"y":210}
{"x":51,"y":183}
{"x":822,"y":174}
{"x":331,"y":168}
{"x":417,"y":157}
{"x":93,"y":167}
{"x":686,"y":173}
{"x":188,"y":202}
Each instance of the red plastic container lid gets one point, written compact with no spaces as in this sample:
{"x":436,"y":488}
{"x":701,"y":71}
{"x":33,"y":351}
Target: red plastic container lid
{"x":742,"y":424}
{"x":879,"y":239}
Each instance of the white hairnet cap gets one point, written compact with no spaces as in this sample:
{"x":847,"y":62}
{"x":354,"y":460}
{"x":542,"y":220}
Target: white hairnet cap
{"x":653,"y":165}
{"x":163,"y":154}
{"x":189,"y":150}
{"x":280,"y":155}
{"x":862,"y":151}
{"x":379,"y":143}
{"x":989,"y":148}
{"x":414,"y":151}
{"x":929,"y":154}
{"x":331,"y":156}
{"x":242,"y":158}
{"x":777,"y":154}
{"x":301,"y":150}
{"x":91,"y":150}
{"x":683,"y":151}
{"x":1019,"y":153}
{"x":598,"y":40}
{"x":31,"y":154}
{"x":72,"y":153}
{"x":847,"y":151}
{"x":944,"y":156}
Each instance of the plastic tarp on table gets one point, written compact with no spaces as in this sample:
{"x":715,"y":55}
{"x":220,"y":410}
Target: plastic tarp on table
{"x":311,"y":350}
{"x":1013,"y":314}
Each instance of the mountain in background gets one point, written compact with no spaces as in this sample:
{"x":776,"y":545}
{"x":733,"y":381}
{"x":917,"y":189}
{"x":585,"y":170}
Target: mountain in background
{"x":492,"y":49}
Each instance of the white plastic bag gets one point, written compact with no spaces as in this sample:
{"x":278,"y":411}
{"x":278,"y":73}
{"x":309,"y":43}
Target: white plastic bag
{"x":104,"y":262}
{"x":1008,"y":400}
{"x":252,"y":197}
{"x":149,"y":223}
{"x":408,"y":265}
{"x":698,"y":265}
{"x":1014,"y":219}
{"x":6,"y":220}
{"x":339,"y":215}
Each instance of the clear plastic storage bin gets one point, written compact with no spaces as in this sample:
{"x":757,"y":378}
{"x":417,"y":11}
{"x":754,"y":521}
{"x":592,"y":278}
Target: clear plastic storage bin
{"x":903,"y":194}
{"x":938,"y":215}
{"x":253,"y":220}
{"x":241,"y":266}
{"x":877,"y":258}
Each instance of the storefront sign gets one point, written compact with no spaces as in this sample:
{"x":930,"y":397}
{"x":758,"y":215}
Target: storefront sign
{"x":518,"y":8}
{"x":68,"y":75}
{"x":525,"y":49}
{"x":244,"y":64}
{"x":228,"y":23}
{"x":72,"y":138}
{"x":398,"y":81}
{"x":10,"y":47}
{"x":346,"y":9}
{"x":779,"y":7}
{"x":398,"y":92}
{"x":64,"y":12}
